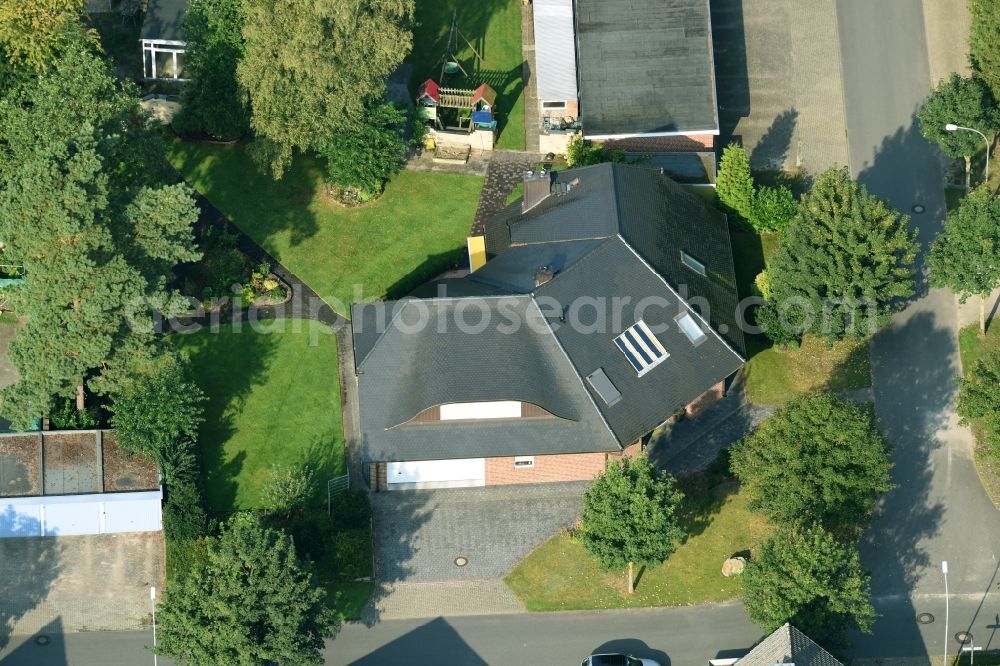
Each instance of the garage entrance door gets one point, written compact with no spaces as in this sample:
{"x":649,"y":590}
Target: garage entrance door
{"x":460,"y":473}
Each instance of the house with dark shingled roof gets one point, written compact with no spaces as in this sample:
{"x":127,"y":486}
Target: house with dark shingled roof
{"x":786,"y":646}
{"x":606,"y":304}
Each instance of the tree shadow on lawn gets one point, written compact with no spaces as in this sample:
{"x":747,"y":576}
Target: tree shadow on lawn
{"x":705,"y":493}
{"x":227,"y":363}
{"x":429,"y":269}
{"x":249,"y":195}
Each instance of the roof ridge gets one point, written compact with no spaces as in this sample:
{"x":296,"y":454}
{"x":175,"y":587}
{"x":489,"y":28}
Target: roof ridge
{"x":690,"y":309}
{"x":576,"y":371}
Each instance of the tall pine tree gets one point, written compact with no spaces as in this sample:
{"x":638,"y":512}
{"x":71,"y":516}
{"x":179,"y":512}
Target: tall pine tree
{"x":85,"y":209}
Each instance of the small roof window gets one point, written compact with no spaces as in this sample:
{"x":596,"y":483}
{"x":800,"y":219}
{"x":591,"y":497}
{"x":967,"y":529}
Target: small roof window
{"x":690,"y":327}
{"x":604,"y":387}
{"x":692,"y":263}
{"x":641,"y":347}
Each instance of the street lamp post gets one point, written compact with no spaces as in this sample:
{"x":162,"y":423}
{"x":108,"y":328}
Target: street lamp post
{"x":952,"y":127}
{"x":944,"y":570}
{"x":152,"y":601}
{"x":972,"y":649}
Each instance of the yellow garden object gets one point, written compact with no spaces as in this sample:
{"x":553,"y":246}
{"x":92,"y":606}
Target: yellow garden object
{"x":477,"y":252}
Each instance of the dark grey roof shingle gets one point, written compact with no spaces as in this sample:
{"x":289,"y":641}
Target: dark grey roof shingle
{"x":788,"y":645}
{"x":611,"y":274}
{"x":645,"y":66}
{"x":425,"y":359}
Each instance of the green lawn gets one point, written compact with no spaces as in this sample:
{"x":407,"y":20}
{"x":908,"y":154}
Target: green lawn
{"x":972,"y":347}
{"x":416,"y":230}
{"x":494,"y":28}
{"x":561,"y":575}
{"x":273,"y":398}
{"x":775,"y":375}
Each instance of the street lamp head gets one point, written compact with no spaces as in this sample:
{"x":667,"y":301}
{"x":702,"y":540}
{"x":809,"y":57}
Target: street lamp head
{"x":951,"y":127}
{"x":152,"y":593}
{"x":944,"y":567}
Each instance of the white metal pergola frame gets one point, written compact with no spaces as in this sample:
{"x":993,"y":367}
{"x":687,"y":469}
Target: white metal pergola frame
{"x":154,"y":46}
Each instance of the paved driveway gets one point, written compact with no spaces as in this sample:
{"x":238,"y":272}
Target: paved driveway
{"x":779,"y":81}
{"x":77,"y":583}
{"x":419,"y":533}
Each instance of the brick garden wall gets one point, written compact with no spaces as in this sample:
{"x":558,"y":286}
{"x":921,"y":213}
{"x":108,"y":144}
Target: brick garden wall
{"x":565,"y":467}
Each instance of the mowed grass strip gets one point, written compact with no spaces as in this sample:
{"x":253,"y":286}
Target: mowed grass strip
{"x":414,"y":231}
{"x":775,"y":375}
{"x":273,"y":399}
{"x":493,"y":28}
{"x":973,"y":347}
{"x":561,"y":575}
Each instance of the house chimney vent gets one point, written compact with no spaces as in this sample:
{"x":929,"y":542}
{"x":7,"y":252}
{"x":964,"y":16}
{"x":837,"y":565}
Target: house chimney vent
{"x":537,"y":188}
{"x":543,"y":275}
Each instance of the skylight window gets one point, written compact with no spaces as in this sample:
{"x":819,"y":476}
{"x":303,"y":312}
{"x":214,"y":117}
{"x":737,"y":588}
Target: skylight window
{"x":641,"y":347}
{"x":690,"y":327}
{"x":692,"y":263}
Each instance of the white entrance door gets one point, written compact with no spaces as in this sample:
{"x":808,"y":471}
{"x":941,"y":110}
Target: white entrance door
{"x":457,"y":473}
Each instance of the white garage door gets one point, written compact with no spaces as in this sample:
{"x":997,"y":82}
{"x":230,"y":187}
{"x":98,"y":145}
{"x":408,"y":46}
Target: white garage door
{"x":459,"y":473}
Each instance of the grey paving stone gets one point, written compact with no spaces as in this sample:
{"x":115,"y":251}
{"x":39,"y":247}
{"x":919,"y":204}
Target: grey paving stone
{"x":419,"y":533}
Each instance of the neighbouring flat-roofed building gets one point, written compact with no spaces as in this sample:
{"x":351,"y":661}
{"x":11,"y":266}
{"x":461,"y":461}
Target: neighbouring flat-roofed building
{"x":75,"y":482}
{"x":637,"y":75}
{"x":162,"y":40}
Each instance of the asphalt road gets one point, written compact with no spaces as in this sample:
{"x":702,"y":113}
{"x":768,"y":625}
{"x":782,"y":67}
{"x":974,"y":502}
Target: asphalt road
{"x":939,"y":510}
{"x":674,"y":636}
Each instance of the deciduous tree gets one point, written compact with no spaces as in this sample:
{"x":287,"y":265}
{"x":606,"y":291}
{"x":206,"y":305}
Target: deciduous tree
{"x":818,"y":459}
{"x":847,"y":258}
{"x":979,"y":394}
{"x":33,"y":33}
{"x":965,"y":257}
{"x":806,"y":577}
{"x":159,"y":410}
{"x":964,"y":101}
{"x":629,"y":516}
{"x":365,"y":155}
{"x":250,"y":601}
{"x":311,"y":67}
{"x":211,"y":100}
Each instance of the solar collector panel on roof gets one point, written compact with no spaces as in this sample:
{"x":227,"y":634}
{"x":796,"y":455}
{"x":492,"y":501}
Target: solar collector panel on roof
{"x":641,"y":347}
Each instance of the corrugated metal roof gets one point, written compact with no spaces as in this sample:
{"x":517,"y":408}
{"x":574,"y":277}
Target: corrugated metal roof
{"x":555,"y":50}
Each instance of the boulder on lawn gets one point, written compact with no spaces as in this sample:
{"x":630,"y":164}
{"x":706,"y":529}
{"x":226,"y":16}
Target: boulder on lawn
{"x":733,"y":566}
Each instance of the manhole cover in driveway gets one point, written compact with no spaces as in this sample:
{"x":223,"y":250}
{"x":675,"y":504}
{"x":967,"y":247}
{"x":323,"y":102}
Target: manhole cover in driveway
{"x":925,"y":618}
{"x":963,"y":637}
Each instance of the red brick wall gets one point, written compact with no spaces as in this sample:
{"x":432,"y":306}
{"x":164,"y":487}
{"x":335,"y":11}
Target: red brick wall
{"x":572,"y":109}
{"x":564,"y":467}
{"x":630,"y":451}
{"x":664,"y":144}
{"x":705,"y":400}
